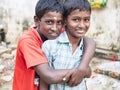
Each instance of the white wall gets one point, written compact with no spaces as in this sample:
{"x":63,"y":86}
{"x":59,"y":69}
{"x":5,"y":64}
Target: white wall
{"x":105,"y":25}
{"x":104,"y":29}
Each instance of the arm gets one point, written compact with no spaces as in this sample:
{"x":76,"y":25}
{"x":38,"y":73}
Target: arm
{"x":89,"y":51}
{"x":45,"y":72}
{"x":51,"y":76}
{"x":88,"y":72}
{"x":82,"y":70}
{"x":43,"y":85}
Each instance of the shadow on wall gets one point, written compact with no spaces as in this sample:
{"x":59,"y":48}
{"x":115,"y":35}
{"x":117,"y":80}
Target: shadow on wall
{"x":3,"y":30}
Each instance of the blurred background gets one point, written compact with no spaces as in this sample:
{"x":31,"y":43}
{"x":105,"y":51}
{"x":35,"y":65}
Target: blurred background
{"x":16,"y":17}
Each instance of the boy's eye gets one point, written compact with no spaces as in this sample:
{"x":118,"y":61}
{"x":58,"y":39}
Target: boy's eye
{"x":49,"y":22}
{"x":75,"y":19}
{"x":59,"y":22}
{"x":87,"y":19}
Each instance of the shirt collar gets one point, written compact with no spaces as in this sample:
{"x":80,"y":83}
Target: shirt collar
{"x":63,"y":38}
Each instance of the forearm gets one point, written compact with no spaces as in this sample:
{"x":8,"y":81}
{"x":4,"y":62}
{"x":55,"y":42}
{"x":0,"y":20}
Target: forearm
{"x":83,"y":71}
{"x":88,"y":72}
{"x":49,"y":75}
{"x":43,"y":85}
{"x":89,"y":50}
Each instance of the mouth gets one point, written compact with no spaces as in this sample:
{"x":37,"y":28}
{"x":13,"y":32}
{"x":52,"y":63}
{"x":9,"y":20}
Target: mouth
{"x":54,"y":35}
{"x":80,"y":31}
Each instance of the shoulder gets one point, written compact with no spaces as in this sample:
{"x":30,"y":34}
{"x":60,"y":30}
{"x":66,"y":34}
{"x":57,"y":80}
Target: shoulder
{"x":89,"y":40}
{"x":30,"y":38}
{"x":50,"y":42}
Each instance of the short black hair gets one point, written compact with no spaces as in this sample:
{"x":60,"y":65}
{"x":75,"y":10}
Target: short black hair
{"x":70,"y":5}
{"x":44,"y":6}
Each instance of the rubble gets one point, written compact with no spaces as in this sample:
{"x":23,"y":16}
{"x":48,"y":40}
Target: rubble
{"x":95,"y":82}
{"x":7,"y":55}
{"x":111,"y":69}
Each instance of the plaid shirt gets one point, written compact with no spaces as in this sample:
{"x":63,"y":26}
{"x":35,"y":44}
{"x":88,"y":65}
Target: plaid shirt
{"x":60,"y":56}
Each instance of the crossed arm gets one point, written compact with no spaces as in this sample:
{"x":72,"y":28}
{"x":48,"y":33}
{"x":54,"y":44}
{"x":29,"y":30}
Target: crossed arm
{"x":83,"y":70}
{"x":73,"y":76}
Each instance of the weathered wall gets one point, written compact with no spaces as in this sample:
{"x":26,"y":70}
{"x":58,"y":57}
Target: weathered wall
{"x":105,"y":25}
{"x":104,"y":29}
{"x":18,"y":15}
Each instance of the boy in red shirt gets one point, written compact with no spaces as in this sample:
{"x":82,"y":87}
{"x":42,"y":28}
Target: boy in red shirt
{"x":31,"y":59}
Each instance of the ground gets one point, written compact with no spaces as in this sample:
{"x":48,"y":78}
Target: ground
{"x":96,"y":82}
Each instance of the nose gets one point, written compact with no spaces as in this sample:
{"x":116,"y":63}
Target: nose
{"x":54,"y":27}
{"x":81,"y":24}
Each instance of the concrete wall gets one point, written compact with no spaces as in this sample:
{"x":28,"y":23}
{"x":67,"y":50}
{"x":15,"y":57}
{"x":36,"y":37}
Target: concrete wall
{"x":15,"y":13}
{"x":104,"y":29}
{"x":105,"y":25}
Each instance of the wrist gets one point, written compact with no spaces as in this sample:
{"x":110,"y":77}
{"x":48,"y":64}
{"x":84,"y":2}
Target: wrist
{"x":82,"y":70}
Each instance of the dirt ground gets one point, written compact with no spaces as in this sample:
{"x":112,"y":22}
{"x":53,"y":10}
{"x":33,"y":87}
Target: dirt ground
{"x":96,"y":82}
{"x":99,"y":81}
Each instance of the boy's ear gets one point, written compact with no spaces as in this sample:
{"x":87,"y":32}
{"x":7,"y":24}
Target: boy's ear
{"x":36,"y":19}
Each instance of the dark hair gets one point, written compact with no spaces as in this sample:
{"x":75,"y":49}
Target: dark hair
{"x":70,"y":5}
{"x":44,"y":6}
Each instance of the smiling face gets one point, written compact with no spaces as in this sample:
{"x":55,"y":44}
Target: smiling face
{"x":77,"y":23}
{"x":51,"y":24}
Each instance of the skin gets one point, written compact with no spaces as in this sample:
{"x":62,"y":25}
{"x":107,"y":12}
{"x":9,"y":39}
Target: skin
{"x":51,"y":24}
{"x":48,"y":25}
{"x":51,"y":28}
{"x":77,"y":24}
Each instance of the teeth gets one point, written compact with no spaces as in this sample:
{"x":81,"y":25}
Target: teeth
{"x":54,"y":34}
{"x":80,"y":31}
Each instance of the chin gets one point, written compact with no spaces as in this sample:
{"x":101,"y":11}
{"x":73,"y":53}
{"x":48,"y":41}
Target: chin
{"x":79,"y":36}
{"x":53,"y":38}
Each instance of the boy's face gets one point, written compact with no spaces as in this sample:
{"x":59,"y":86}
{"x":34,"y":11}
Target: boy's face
{"x":78,"y":22}
{"x":51,"y":24}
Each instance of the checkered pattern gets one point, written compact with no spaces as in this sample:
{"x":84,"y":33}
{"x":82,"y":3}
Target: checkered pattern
{"x":60,"y":56}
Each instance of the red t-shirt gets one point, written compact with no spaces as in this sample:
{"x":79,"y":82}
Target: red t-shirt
{"x":28,"y":54}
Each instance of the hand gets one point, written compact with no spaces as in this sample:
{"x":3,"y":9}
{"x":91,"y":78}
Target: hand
{"x":68,"y":75}
{"x":77,"y":76}
{"x":88,"y":73}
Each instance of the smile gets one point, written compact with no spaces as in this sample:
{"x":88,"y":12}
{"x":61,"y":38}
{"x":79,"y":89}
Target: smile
{"x":79,"y":31}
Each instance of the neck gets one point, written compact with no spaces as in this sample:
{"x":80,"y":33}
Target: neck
{"x":41,"y":35}
{"x":74,"y":41}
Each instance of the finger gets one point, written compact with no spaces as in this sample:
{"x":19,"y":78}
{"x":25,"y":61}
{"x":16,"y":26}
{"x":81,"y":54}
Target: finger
{"x":74,"y":82}
{"x":67,"y":77}
{"x":71,"y":82}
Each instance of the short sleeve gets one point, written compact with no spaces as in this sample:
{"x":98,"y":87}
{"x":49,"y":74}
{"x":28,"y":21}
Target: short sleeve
{"x":32,"y":53}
